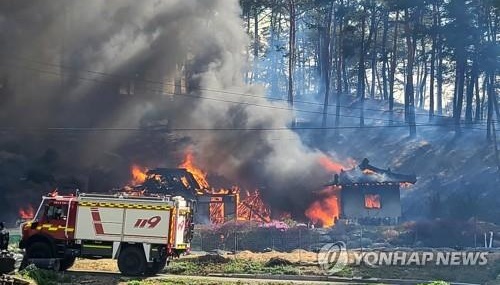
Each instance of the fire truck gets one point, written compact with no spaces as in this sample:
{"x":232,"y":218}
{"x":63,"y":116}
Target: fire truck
{"x":142,"y":233}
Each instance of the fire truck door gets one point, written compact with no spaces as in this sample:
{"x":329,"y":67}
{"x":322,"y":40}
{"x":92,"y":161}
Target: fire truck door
{"x":181,"y":220}
{"x":53,"y":220}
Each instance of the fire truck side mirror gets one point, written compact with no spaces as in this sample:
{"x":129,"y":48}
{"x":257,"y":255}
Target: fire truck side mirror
{"x":34,"y":225}
{"x":193,"y":205}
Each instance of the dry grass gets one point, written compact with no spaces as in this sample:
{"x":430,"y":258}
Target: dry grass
{"x":250,"y":262}
{"x":95,"y":265}
{"x":295,"y":256}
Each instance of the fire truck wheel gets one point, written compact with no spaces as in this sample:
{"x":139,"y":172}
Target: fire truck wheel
{"x":66,"y":263}
{"x":132,"y":261}
{"x":39,"y":250}
{"x":156,"y":267}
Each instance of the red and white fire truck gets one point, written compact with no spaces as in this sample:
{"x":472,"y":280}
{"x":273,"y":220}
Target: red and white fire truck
{"x":141,"y":232}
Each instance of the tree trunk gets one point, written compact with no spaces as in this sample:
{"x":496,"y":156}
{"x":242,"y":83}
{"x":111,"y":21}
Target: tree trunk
{"x":361,"y":70}
{"x":409,"y":89}
{"x":327,"y":63}
{"x":439,"y":80}
{"x":439,"y":59}
{"x":373,"y":42}
{"x":485,"y":95}
{"x":477,"y":114}
{"x":345,"y":77}
{"x":494,"y":95}
{"x":433,"y":60}
{"x":392,"y":74}
{"x":491,"y":98}
{"x":423,"y":77}
{"x":460,"y":54}
{"x":385,"y":58}
{"x":247,"y":73}
{"x":274,"y":67}
{"x":340,"y":64}
{"x":470,"y":93}
{"x":256,"y":44}
{"x":460,"y":85}
{"x":291,"y":56}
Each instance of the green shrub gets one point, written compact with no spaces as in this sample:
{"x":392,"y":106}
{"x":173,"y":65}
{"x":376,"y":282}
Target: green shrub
{"x":182,"y":267}
{"x":255,"y":267}
{"x":244,"y":266}
{"x":40,"y":276}
{"x":345,"y":272}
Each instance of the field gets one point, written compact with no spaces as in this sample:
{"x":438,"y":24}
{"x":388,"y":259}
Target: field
{"x":294,"y":263}
{"x":280,"y":263}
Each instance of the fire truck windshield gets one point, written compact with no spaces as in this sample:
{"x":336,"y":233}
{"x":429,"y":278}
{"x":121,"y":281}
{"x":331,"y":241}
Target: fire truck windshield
{"x":56,"y":212}
{"x":52,"y":209}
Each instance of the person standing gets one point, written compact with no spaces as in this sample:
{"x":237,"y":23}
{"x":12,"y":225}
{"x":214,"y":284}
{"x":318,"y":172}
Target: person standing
{"x":4,"y":237}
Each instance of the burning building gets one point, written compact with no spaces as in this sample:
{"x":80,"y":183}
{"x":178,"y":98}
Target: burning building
{"x":368,"y":194}
{"x":214,"y":205}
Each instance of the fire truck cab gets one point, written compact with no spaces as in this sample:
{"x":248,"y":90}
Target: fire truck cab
{"x":142,"y":233}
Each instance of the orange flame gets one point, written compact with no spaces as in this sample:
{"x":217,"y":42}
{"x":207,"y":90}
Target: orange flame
{"x":326,"y":210}
{"x":184,"y":181}
{"x":331,"y":165}
{"x":251,"y":207}
{"x":138,"y":174}
{"x":372,"y":201}
{"x":199,"y":175}
{"x":27,"y":213}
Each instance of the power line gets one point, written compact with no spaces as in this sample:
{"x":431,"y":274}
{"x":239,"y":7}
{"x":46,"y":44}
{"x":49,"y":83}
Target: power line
{"x":163,"y":83}
{"x":163,"y":128}
{"x":184,"y":95}
{"x":187,"y":95}
{"x":224,"y":101}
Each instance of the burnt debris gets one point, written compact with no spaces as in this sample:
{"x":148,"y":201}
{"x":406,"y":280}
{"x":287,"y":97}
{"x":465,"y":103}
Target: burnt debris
{"x":170,"y":181}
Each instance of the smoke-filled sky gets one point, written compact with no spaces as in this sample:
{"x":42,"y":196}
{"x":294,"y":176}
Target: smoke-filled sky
{"x":57,"y":58}
{"x":65,"y":64}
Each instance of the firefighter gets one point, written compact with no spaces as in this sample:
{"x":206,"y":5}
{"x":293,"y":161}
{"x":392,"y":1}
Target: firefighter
{"x":58,"y":213}
{"x":4,"y":237}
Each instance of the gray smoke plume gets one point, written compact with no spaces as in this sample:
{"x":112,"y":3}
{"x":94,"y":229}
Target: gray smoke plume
{"x":58,"y":42}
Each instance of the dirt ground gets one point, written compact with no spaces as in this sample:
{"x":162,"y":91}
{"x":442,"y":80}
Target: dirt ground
{"x":305,"y":263}
{"x":295,"y":256}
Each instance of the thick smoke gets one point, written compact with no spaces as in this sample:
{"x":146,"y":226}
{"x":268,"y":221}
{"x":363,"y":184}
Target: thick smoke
{"x":148,"y":40}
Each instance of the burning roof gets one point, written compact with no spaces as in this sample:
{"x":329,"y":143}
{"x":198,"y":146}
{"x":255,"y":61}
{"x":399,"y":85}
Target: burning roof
{"x":173,"y":181}
{"x":367,"y":174}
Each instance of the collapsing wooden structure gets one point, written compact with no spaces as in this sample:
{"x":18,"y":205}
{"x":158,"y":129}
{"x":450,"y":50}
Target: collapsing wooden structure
{"x":214,"y":206}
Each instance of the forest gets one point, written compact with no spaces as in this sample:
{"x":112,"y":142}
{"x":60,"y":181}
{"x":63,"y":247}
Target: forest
{"x":439,"y":58}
